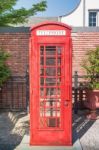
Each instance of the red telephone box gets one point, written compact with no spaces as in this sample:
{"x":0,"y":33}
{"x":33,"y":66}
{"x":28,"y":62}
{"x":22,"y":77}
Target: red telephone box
{"x":50,"y":84}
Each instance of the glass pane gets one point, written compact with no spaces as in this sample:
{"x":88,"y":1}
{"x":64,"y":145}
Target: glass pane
{"x":51,"y":81}
{"x":50,"y":91}
{"x":51,"y":102}
{"x":90,"y":24}
{"x":50,"y":50}
{"x":50,"y":112}
{"x":58,"y":81}
{"x":50,"y":61}
{"x":94,"y":20}
{"x":42,"y":103}
{"x":42,"y":50}
{"x":58,"y":92}
{"x":59,"y":71}
{"x":42,"y":61}
{"x":42,"y":111}
{"x":51,"y":71}
{"x":42,"y":71}
{"x":42,"y":92}
{"x":59,"y":61}
{"x":59,"y":50}
{"x":54,"y":122}
{"x":94,"y":24}
{"x":41,"y":81}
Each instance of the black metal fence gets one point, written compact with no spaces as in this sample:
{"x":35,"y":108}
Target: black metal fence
{"x":80,"y":84}
{"x":79,"y":91}
{"x":14,"y":94}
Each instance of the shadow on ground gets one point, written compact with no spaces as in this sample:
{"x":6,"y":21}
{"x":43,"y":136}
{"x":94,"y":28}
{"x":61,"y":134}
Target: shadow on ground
{"x":12,"y":129}
{"x":81,"y":124}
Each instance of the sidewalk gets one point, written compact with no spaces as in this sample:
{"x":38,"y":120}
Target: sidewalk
{"x":87,"y":130}
{"x":13,"y":126}
{"x":85,"y":135}
{"x":24,"y":145}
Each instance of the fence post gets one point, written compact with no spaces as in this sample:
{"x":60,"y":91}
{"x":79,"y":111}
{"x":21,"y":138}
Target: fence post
{"x":75,"y":92}
{"x":81,"y":96}
{"x":27,"y":91}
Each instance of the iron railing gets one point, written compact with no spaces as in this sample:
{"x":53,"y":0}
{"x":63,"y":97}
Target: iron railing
{"x":80,"y":83}
{"x":14,"y":94}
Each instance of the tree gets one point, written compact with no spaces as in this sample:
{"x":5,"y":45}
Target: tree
{"x":5,"y":71}
{"x":91,"y":66}
{"x":9,"y":15}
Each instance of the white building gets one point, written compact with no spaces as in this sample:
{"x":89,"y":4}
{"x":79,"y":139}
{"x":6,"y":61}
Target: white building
{"x":84,"y":15}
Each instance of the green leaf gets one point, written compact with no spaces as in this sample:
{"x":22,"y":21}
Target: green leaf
{"x":5,"y":72}
{"x":91,"y":66}
{"x":9,"y":15}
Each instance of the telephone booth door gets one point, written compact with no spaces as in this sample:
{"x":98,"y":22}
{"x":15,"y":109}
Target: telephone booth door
{"x":50,"y":85}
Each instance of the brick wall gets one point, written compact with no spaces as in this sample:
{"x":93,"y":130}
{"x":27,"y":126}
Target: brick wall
{"x":13,"y":93}
{"x":83,"y":42}
{"x":17,"y":43}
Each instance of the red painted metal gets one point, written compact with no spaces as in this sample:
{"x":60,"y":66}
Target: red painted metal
{"x":50,"y":86}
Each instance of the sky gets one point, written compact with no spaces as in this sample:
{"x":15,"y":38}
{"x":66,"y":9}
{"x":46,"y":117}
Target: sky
{"x":55,"y":7}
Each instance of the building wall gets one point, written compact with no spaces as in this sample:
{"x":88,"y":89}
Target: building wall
{"x":83,"y":41}
{"x":16,"y":42}
{"x":13,"y":94}
{"x":91,"y":5}
{"x":75,"y":18}
{"x":79,"y":17}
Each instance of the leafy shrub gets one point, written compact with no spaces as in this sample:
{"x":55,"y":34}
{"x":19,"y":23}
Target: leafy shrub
{"x":91,"y":66}
{"x":5,"y":71}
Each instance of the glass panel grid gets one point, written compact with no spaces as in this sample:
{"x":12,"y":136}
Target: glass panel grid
{"x":92,"y":18}
{"x":50,"y":86}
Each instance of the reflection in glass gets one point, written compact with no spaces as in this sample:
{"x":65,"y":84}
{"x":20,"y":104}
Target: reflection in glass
{"x":59,"y":71}
{"x":50,"y":102}
{"x":50,"y":61}
{"x":42,"y":61}
{"x":41,"y":81}
{"x":50,"y":81}
{"x":59,"y":61}
{"x":42,"y":111}
{"x":42,"y":92}
{"x":58,"y":92}
{"x":51,"y":71}
{"x":50,"y":112}
{"x":42,"y":71}
{"x":58,"y":81}
{"x":50,"y":50}
{"x":42,"y":50}
{"x":59,"y":50}
{"x":50,"y":91}
{"x":54,"y":122}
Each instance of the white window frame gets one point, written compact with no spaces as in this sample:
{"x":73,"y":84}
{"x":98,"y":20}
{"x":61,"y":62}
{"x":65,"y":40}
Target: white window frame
{"x":97,"y":17}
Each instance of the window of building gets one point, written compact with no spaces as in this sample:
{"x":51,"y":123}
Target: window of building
{"x":93,"y":18}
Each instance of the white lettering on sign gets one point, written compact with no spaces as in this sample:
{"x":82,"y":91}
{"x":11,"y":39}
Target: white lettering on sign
{"x":51,"y":32}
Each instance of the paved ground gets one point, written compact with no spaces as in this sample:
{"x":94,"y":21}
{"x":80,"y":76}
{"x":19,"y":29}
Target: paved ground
{"x":13,"y":126}
{"x":12,"y":129}
{"x":87,"y":130}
